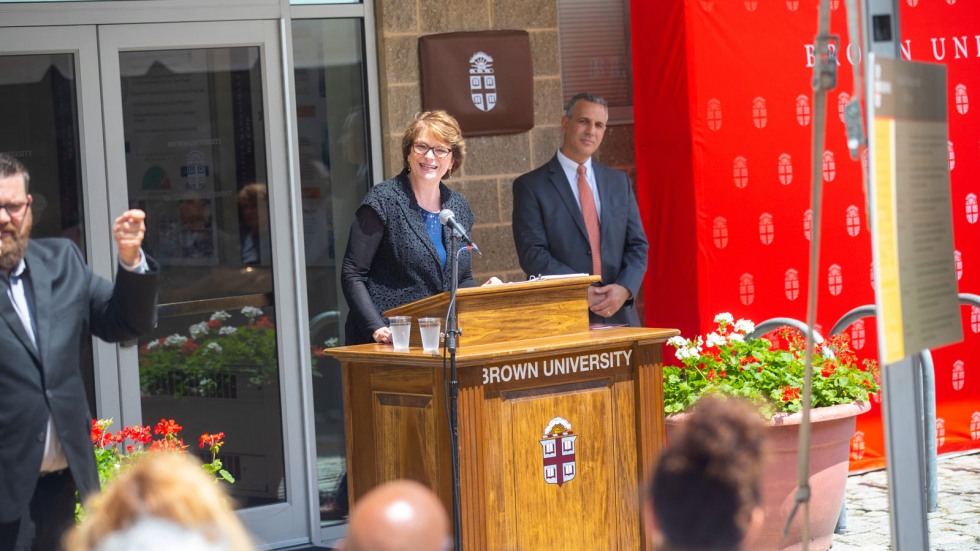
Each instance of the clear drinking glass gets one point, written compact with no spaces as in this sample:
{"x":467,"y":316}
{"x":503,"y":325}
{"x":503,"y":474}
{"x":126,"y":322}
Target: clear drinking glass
{"x":429,"y":327}
{"x":401,"y":328}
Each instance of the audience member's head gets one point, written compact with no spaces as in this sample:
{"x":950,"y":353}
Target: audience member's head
{"x":253,"y":199}
{"x":705,"y":490}
{"x":195,"y":212}
{"x":398,"y":516}
{"x":164,"y":501}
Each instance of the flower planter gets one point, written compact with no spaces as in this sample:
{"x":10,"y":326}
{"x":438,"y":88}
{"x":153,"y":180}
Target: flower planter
{"x":831,"y":431}
{"x":230,"y":383}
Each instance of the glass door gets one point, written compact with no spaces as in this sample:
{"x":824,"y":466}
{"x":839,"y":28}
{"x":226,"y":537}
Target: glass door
{"x":49,"y":105}
{"x":195,"y":137}
{"x":330,"y":76}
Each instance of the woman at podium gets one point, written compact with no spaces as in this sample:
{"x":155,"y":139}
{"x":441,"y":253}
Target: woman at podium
{"x":398,"y":251}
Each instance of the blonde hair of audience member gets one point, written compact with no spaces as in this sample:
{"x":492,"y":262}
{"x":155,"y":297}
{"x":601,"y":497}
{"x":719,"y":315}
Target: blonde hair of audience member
{"x":402,"y":515}
{"x":254,"y":200}
{"x":253,"y":194}
{"x":705,"y":490}
{"x":166,"y":501}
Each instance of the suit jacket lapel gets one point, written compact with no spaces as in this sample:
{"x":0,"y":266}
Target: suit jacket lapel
{"x":43,"y":310}
{"x":564,"y":191}
{"x":10,"y":316}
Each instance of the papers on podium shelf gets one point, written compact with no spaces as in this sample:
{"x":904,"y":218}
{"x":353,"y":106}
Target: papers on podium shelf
{"x":600,"y":326}
{"x":555,"y":276}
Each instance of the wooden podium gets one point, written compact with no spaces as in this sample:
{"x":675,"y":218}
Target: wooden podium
{"x":557,"y":423}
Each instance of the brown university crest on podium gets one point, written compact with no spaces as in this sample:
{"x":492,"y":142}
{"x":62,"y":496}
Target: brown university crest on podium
{"x":558,"y":448}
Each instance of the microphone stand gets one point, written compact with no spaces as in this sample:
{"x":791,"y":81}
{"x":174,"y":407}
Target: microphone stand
{"x":452,"y":333}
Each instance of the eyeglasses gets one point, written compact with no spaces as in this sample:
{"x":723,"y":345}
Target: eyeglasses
{"x":422,"y":149}
{"x":15,"y":210}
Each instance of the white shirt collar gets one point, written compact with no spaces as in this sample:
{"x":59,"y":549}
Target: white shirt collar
{"x":18,"y":269}
{"x":570,"y":165}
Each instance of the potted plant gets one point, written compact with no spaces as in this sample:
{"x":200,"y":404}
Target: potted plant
{"x":116,"y":450}
{"x":217,"y":357}
{"x":771,"y":375}
{"x":213,"y":355}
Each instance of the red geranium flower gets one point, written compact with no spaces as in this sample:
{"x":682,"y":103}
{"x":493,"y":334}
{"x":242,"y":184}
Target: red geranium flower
{"x":211,"y":440}
{"x":167,"y":427}
{"x":790,"y":393}
{"x":109,"y":459}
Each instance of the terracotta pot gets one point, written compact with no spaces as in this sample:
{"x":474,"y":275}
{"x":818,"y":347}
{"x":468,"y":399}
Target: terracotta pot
{"x":832,"y":429}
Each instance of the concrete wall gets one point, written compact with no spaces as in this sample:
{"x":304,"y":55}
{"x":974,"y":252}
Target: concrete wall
{"x":492,"y":162}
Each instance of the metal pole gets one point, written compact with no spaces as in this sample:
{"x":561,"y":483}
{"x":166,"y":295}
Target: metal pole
{"x":902,"y":413}
{"x":452,"y":333}
{"x":929,"y":429}
{"x":824,"y":80}
{"x":901,"y":388}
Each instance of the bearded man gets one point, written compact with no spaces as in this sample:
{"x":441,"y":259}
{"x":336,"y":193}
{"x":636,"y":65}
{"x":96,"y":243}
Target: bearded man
{"x":50,"y":302}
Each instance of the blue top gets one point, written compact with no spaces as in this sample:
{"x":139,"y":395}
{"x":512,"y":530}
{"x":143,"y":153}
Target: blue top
{"x":434,"y":227}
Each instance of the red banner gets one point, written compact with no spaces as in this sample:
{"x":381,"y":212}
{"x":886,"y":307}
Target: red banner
{"x":724,"y":116}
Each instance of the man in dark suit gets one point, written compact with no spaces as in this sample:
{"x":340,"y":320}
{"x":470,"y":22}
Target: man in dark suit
{"x":50,"y":302}
{"x":551,"y":221}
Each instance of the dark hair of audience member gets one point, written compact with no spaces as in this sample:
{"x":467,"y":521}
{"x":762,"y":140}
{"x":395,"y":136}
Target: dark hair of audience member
{"x":705,"y":489}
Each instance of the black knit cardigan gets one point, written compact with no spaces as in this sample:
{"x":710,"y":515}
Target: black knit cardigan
{"x":390,"y":259}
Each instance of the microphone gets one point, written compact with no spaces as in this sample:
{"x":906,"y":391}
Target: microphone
{"x":448,"y":218}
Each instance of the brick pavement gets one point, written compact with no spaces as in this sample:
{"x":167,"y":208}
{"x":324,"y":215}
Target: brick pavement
{"x":954,"y":526}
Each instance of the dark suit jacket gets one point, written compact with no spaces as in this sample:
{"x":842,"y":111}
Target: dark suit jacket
{"x":70,"y":304}
{"x":551,"y":238}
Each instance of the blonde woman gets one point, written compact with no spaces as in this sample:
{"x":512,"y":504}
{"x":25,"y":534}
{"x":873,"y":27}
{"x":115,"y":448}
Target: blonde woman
{"x":164,"y":501}
{"x":398,"y":251}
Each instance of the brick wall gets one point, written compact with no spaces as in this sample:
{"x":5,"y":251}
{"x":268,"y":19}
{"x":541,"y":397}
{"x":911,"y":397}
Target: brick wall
{"x":492,"y":162}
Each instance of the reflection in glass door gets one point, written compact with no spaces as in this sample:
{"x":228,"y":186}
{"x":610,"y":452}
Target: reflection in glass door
{"x":194,"y":126}
{"x":331,"y":121}
{"x":195,"y":160}
{"x":39,"y":110}
{"x":195,"y":146}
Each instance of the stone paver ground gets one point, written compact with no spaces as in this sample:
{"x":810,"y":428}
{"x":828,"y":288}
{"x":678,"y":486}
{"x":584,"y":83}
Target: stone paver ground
{"x":954,"y":526}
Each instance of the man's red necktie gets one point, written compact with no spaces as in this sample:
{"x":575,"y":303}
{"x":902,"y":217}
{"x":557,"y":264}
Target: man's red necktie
{"x":591,"y":217}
